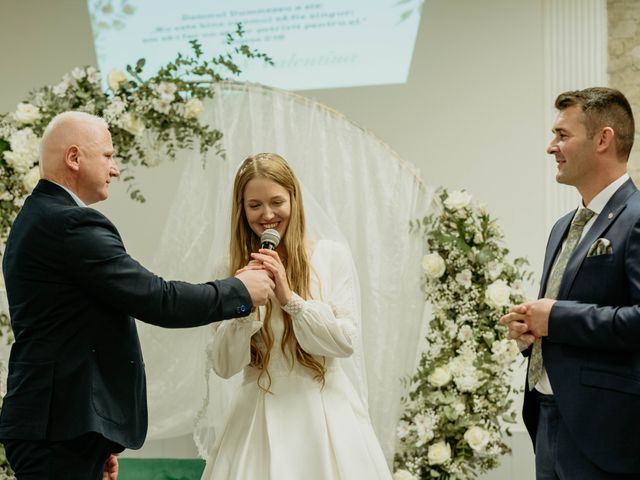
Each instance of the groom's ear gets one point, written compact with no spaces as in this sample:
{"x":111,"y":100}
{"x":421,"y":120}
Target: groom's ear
{"x":605,"y":140}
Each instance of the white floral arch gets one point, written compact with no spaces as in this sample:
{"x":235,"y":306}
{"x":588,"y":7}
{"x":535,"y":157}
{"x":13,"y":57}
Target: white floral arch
{"x":357,"y":181}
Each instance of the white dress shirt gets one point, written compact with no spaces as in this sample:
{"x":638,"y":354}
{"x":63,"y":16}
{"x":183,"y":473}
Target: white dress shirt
{"x":73,"y":195}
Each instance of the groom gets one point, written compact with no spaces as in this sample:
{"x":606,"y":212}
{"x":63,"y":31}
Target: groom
{"x":76,"y":389}
{"x":582,"y":398}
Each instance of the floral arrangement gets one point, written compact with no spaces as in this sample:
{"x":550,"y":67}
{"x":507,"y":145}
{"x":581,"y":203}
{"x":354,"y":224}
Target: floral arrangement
{"x":459,"y":399}
{"x":145,"y":116}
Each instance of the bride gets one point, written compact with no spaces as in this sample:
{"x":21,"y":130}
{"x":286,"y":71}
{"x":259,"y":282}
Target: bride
{"x":297,"y":414}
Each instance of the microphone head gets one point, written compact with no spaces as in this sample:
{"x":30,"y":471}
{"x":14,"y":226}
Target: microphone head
{"x":270,"y":239}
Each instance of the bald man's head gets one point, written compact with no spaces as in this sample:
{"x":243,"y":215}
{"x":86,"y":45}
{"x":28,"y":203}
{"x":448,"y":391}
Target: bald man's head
{"x":76,"y":152}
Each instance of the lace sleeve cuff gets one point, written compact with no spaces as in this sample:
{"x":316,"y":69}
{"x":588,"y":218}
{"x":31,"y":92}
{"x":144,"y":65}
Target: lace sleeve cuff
{"x":295,"y":305}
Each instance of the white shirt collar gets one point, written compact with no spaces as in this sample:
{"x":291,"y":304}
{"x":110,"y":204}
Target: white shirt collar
{"x":600,"y":200}
{"x":73,"y":195}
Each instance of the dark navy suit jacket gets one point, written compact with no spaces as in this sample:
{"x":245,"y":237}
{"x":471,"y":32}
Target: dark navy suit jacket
{"x":76,"y":364}
{"x":592,"y":352}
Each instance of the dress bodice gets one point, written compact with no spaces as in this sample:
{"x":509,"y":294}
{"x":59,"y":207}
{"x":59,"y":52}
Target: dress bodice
{"x":281,"y":364}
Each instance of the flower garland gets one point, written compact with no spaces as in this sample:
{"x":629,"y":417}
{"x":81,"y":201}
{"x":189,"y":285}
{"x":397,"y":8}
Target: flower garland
{"x":145,"y":117}
{"x":460,"y":395}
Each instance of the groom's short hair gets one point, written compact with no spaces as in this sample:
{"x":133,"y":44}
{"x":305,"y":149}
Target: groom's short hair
{"x":603,"y":107}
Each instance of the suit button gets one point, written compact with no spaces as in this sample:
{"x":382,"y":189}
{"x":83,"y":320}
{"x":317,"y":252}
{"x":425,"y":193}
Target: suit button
{"x":241,"y":309}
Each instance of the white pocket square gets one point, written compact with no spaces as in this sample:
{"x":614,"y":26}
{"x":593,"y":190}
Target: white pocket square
{"x":601,"y":246}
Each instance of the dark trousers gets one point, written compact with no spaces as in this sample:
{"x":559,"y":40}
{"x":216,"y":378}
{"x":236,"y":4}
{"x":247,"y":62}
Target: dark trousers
{"x":81,"y":458}
{"x":557,"y":455}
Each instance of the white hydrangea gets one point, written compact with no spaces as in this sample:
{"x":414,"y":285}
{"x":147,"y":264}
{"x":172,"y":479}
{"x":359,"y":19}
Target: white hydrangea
{"x":31,"y":179}
{"x":464,"y":278}
{"x":504,"y":351}
{"x":403,"y":429}
{"x":78,"y":73}
{"x":494,"y":269}
{"x":424,"y":424}
{"x":114,"y":110}
{"x":167,"y":91}
{"x":403,"y":475}
{"x":465,"y":333}
{"x":93,"y":75}
{"x":61,"y":88}
{"x":25,"y":149}
{"x":161,"y":105}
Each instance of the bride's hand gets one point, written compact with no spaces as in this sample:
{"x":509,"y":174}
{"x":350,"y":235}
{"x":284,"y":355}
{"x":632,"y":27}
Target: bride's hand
{"x":271,"y":262}
{"x":252,"y":265}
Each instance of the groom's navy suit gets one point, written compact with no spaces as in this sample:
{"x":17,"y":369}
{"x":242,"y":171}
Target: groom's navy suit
{"x":76,"y":364}
{"x":592,"y":351}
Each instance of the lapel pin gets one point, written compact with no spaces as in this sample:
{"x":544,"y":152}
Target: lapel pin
{"x":610,"y":216}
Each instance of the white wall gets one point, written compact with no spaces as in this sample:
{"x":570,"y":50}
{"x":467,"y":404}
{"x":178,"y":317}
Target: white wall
{"x":472,"y":115}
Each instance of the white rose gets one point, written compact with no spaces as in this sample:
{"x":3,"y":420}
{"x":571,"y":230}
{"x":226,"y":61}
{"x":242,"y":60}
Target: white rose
{"x":403,"y":475}
{"x":457,"y":200}
{"x":477,"y":438}
{"x":115,"y":78}
{"x":31,"y":178}
{"x":433,"y":265}
{"x":132,"y":124}
{"x":438,"y":453}
{"x":193,"y":108}
{"x":440,"y":376}
{"x":167,"y":91}
{"x":497,"y":294}
{"x":26,"y":113}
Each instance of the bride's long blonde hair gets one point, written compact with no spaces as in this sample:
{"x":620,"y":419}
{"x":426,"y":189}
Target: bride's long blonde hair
{"x":244,"y":241}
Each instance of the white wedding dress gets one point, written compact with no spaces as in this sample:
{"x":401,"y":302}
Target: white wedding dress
{"x":301,"y":429}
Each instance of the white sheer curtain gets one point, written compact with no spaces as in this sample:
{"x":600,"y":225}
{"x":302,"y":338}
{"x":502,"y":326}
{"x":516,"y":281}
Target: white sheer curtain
{"x":357,"y":181}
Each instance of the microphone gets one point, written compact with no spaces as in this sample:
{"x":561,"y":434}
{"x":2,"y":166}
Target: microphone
{"x":270,"y":239}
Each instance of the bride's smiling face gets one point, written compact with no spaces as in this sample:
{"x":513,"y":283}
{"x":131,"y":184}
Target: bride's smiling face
{"x":267,"y":204}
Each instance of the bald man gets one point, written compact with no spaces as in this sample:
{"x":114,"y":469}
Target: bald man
{"x":76,"y":390}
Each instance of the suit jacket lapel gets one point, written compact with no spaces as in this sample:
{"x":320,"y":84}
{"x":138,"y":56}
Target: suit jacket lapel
{"x":607,"y":216}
